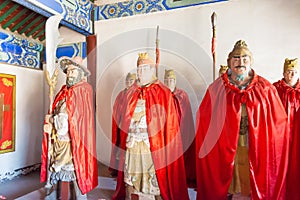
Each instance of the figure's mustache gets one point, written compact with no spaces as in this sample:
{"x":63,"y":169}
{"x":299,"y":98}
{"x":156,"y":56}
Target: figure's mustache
{"x":240,"y":66}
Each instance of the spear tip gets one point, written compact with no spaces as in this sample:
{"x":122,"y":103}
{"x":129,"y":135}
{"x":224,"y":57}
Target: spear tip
{"x":214,"y":19}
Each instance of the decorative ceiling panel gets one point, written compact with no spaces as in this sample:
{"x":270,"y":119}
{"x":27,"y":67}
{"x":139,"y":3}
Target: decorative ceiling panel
{"x":135,"y":7}
{"x":19,"y":19}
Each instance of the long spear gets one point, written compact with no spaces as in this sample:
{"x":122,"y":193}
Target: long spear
{"x":213,"y":42}
{"x":51,"y":72}
{"x":157,"y":52}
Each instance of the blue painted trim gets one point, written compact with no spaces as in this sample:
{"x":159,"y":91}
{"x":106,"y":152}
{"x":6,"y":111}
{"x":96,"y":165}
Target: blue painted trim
{"x":20,"y":51}
{"x":71,"y":50}
{"x":128,"y":8}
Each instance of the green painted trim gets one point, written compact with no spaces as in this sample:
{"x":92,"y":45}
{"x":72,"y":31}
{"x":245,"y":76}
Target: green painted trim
{"x":4,"y":4}
{"x":30,"y":24}
{"x":35,"y":29}
{"x":14,"y":18}
{"x":39,"y":34}
{"x":12,"y":9}
{"x":22,"y":22}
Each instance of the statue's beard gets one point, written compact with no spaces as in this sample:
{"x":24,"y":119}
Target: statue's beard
{"x":73,"y":81}
{"x":241,"y":77}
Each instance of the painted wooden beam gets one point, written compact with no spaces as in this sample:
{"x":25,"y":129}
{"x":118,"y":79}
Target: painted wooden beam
{"x":35,"y":29}
{"x":4,"y":4}
{"x":12,"y":20}
{"x":22,"y":22}
{"x":8,"y":12}
{"x":30,"y":24}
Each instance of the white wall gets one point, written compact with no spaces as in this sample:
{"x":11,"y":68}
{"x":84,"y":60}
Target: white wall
{"x":270,"y":28}
{"x":32,"y":103}
{"x":29,"y":118}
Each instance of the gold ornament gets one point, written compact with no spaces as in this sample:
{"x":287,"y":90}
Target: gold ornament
{"x":223,"y":69}
{"x":130,"y":76}
{"x":240,"y":49}
{"x":290,"y":64}
{"x":144,"y":59}
{"x":170,"y":74}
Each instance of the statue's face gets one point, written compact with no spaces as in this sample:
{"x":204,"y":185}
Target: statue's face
{"x":171,"y":83}
{"x":145,"y":73}
{"x":240,"y":64}
{"x":74,"y":75}
{"x":291,"y":76}
{"x":129,"y":82}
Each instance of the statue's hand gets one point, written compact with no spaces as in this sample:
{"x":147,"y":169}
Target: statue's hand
{"x":48,"y":128}
{"x":49,"y":119}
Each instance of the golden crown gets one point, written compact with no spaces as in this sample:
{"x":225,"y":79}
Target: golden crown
{"x":144,"y":59}
{"x":290,"y":64}
{"x":131,"y":76}
{"x":170,"y":74}
{"x":143,"y":56}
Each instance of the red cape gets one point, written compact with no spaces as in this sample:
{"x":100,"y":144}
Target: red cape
{"x":218,"y":121}
{"x":290,"y":98}
{"x":187,"y":130}
{"x":164,"y":137}
{"x":116,"y":118}
{"x":293,"y":179}
{"x":80,"y":108}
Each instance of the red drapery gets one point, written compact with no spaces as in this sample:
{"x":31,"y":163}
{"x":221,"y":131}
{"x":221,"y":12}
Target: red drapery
{"x":7,"y":104}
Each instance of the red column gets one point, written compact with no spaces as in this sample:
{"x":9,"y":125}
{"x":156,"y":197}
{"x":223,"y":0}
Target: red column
{"x":91,"y":42}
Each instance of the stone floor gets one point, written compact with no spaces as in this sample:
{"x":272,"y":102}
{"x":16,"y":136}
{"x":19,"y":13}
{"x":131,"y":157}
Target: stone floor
{"x":28,"y":187}
{"x":103,"y":191}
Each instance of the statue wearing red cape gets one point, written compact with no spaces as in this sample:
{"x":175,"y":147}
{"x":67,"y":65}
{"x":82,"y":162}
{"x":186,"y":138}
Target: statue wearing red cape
{"x":80,"y":111}
{"x":289,"y":92}
{"x":186,"y":123}
{"x":117,"y":117}
{"x":218,"y":134}
{"x":163,"y":135}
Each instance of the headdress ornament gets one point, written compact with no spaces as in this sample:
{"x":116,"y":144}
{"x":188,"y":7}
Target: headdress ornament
{"x":77,"y":61}
{"x":131,"y":76}
{"x":170,"y":74}
{"x":223,"y":69}
{"x":144,"y":59}
{"x":240,"y":48}
{"x":290,"y":64}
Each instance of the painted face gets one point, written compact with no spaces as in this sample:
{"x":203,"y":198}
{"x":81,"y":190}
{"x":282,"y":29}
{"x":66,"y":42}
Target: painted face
{"x":129,"y":82}
{"x":171,"y":83}
{"x":240,"y":65}
{"x":74,"y":75}
{"x":145,"y":73}
{"x":291,"y":76}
